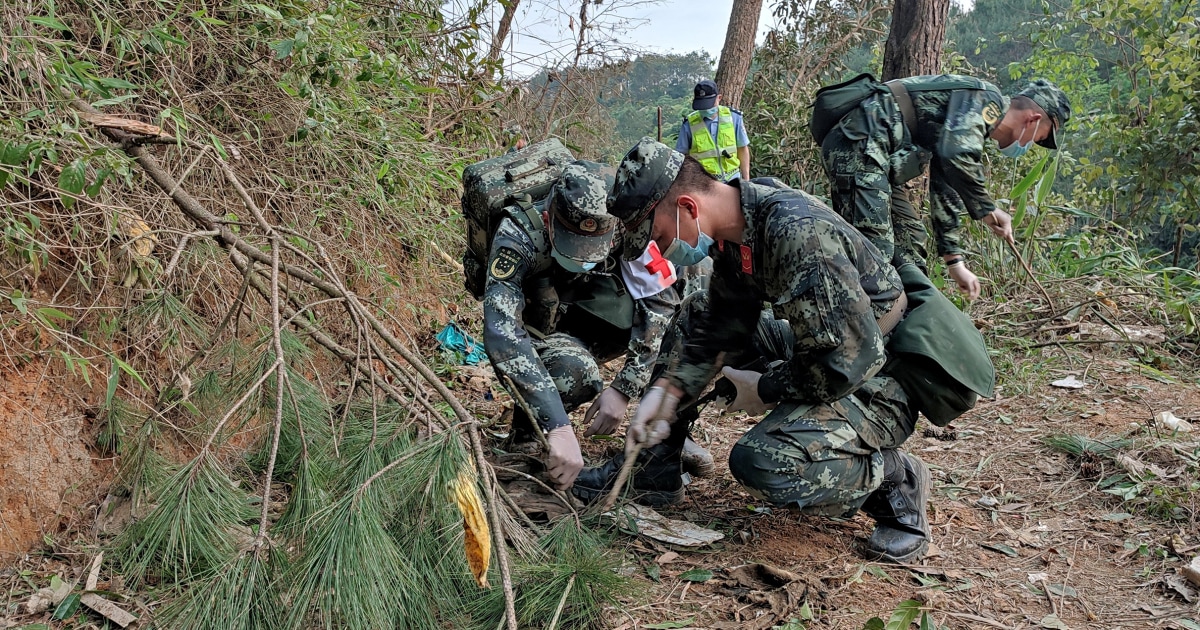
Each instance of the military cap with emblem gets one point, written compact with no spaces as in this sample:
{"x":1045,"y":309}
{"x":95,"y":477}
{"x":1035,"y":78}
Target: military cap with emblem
{"x":1054,"y":102}
{"x":643,"y":178}
{"x":581,"y":227}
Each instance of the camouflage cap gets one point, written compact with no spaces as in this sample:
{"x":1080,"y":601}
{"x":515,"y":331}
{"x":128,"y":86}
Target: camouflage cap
{"x":643,"y":178}
{"x":581,"y":227}
{"x":1054,"y":102}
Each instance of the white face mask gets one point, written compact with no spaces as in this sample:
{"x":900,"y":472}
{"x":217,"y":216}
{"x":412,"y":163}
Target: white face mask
{"x":1016,"y":149}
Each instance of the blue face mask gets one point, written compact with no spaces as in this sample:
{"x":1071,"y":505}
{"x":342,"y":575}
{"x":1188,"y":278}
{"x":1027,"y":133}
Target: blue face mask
{"x":683,"y":254}
{"x":574,"y":266}
{"x":711,"y":112}
{"x":1016,"y":149}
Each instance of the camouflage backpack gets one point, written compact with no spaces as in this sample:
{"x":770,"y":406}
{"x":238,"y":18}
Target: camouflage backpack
{"x":503,"y":186}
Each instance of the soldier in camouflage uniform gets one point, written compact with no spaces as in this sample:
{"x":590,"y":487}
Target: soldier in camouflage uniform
{"x":829,"y":444}
{"x":871,"y":153}
{"x":555,"y":304}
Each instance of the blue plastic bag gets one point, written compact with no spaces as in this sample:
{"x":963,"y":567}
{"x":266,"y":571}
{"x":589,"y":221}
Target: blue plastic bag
{"x":461,"y":344}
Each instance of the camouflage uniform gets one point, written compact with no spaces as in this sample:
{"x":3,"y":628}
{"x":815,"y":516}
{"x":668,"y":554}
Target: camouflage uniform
{"x":538,"y":332}
{"x":870,"y":154}
{"x":819,"y":449}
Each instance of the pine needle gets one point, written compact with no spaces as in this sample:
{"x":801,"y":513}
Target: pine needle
{"x":1078,"y":445}
{"x":574,"y":557}
{"x":241,"y":595}
{"x":190,"y":531}
{"x":353,"y":575}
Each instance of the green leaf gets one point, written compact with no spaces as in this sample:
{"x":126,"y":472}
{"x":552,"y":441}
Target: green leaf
{"x":72,"y":180}
{"x":114,"y":377}
{"x":666,"y":625}
{"x":117,"y":84}
{"x":1002,"y":548}
{"x":126,"y":368}
{"x":1030,"y":179}
{"x":904,"y":615}
{"x":15,"y":154}
{"x":67,"y":607}
{"x":874,"y":623}
{"x":282,"y":48}
{"x":1062,"y":590}
{"x":93,"y":188}
{"x":1047,"y":182}
{"x":116,"y":100}
{"x":927,"y":622}
{"x":46,"y":314}
{"x":654,"y":572}
{"x":47,"y":21}
{"x":1188,"y":623}
{"x":696,"y":575}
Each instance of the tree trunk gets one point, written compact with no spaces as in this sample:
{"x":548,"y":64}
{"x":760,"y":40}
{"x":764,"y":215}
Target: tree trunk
{"x":738,"y":51}
{"x":914,"y":45}
{"x":510,"y":9}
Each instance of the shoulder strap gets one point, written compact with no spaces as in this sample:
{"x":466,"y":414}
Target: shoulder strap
{"x":529,"y":218}
{"x":904,"y":101}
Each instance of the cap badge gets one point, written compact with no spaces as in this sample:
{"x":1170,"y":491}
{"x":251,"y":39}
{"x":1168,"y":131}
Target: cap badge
{"x":588,"y":225}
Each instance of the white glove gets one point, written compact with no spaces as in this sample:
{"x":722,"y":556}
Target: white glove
{"x":967,"y":282}
{"x":651,"y":423}
{"x":564,"y":461}
{"x":1000,"y":223}
{"x":606,"y":414}
{"x":747,"y":399}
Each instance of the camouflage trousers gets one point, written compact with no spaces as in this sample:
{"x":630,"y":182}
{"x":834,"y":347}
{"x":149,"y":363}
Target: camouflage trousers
{"x":573,"y":369}
{"x":825,"y":458}
{"x":862,"y":193}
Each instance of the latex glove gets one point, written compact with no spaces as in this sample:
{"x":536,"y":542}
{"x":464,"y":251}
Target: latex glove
{"x":564,"y":461}
{"x":606,"y":414}
{"x":651,"y":423}
{"x":1001,"y":224}
{"x":747,"y":399}
{"x":967,"y":282}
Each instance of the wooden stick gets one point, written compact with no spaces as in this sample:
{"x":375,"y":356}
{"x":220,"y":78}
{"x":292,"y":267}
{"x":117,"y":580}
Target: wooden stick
{"x":562,"y":602}
{"x":1029,"y":271}
{"x":622,"y":476}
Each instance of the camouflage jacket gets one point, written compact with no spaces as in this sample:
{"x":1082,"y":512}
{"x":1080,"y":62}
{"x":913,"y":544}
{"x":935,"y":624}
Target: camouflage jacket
{"x":952,"y":126}
{"x":515,"y":265}
{"x":817,"y":272}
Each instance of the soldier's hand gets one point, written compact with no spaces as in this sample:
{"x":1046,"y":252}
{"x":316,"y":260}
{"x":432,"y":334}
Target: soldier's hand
{"x":564,"y":461}
{"x":967,"y":281}
{"x":1001,"y":224}
{"x":606,"y":414}
{"x":651,"y":423}
{"x":747,"y":399}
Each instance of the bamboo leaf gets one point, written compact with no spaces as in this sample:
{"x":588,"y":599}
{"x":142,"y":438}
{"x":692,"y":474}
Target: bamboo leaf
{"x":696,"y":575}
{"x":1030,"y":179}
{"x":1047,"y":182}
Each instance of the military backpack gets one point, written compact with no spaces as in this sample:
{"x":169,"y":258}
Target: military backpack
{"x":504,"y":186}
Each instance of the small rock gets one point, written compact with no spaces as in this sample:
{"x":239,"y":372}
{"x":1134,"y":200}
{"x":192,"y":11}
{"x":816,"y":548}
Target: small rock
{"x":40,"y":601}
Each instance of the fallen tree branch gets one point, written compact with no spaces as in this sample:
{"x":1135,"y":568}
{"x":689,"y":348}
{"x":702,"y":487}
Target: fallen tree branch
{"x":231,"y":241}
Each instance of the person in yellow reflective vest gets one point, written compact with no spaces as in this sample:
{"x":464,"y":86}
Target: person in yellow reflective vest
{"x":715,"y":135}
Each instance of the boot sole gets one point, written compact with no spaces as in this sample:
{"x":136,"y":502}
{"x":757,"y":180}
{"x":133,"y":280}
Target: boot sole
{"x":881,"y":556}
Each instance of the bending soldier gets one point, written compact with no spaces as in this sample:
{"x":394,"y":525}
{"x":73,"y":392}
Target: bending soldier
{"x":944,"y":121}
{"x":840,"y":406}
{"x":557,"y":302}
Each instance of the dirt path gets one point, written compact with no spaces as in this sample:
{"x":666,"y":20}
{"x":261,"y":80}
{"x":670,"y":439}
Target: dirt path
{"x":1020,"y":532}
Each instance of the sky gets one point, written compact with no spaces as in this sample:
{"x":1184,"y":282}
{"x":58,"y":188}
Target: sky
{"x":542,"y":28}
{"x":680,"y":26}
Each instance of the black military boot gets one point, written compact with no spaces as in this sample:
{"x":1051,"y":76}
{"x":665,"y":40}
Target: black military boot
{"x":902,"y":528}
{"x":657,"y":476}
{"x":522,"y":437}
